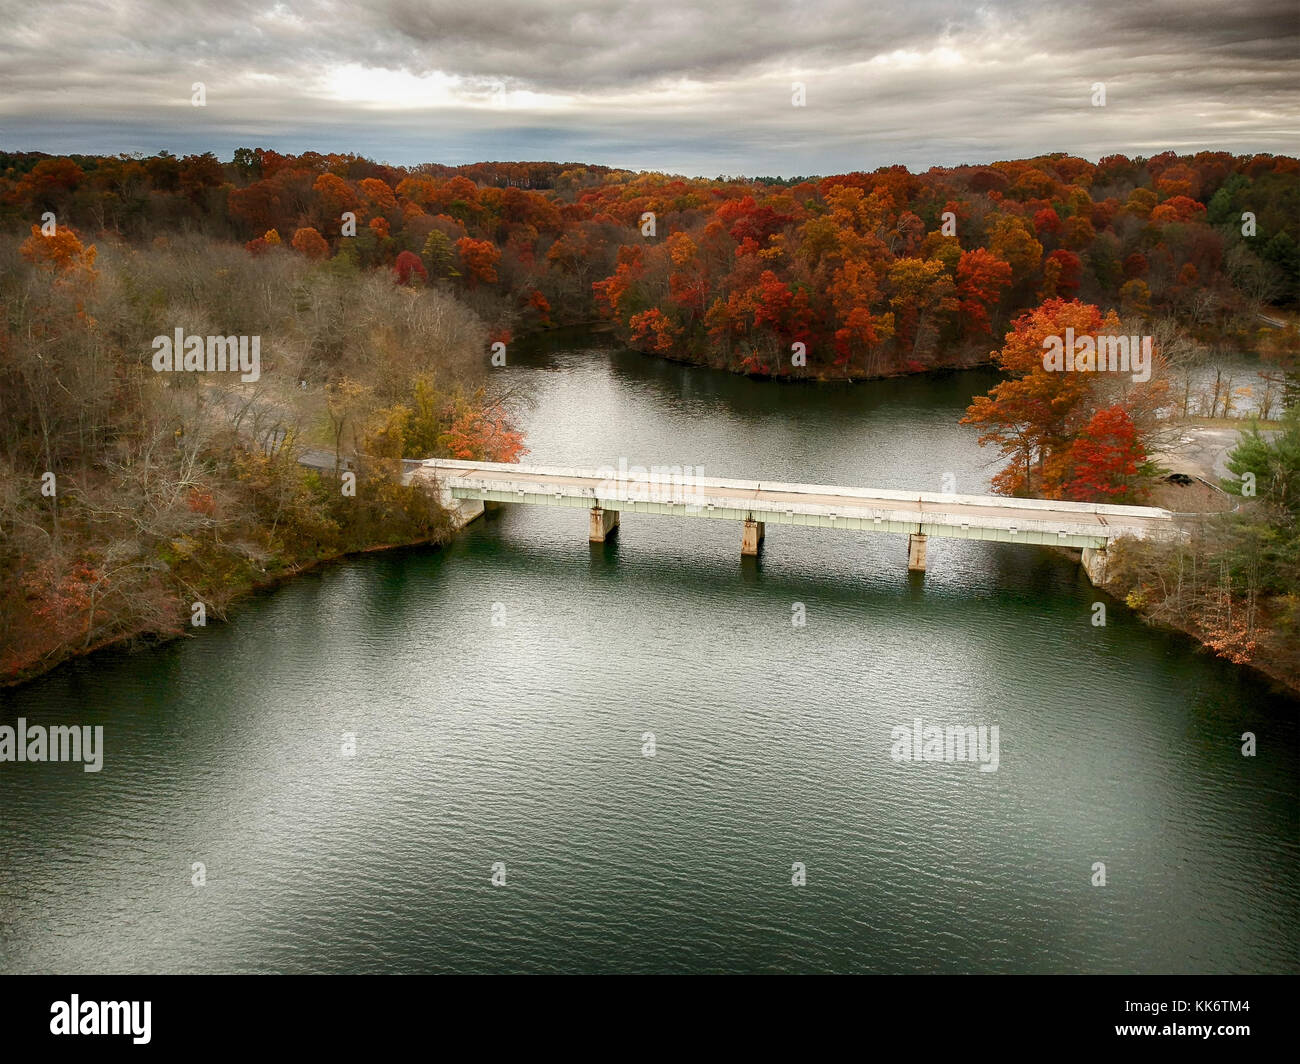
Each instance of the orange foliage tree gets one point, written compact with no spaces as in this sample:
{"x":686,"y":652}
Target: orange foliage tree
{"x":480,"y":258}
{"x":481,"y":431}
{"x":61,"y":252}
{"x":982,"y":277}
{"x":1035,"y":417}
{"x":652,"y":330}
{"x":310,"y":243}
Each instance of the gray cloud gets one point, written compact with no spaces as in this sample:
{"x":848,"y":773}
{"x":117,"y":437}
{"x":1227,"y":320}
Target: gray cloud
{"x":683,"y":86}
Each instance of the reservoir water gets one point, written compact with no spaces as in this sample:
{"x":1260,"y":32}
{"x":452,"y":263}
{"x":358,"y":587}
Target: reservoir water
{"x":500,"y":691}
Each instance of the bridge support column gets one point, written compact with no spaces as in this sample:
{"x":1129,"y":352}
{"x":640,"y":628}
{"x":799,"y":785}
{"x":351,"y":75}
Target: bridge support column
{"x":603,"y":524}
{"x":1094,"y":564}
{"x":752,"y":536}
{"x":916,"y":552}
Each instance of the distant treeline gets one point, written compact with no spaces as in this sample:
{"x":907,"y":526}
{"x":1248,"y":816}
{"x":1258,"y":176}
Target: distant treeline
{"x":871,"y":273}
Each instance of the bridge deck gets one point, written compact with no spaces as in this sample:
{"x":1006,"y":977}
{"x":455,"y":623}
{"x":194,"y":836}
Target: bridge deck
{"x":958,"y":516}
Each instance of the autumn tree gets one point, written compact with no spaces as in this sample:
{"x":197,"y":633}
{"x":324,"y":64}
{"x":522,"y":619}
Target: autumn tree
{"x":61,"y":252}
{"x":1035,"y":417}
{"x":611,"y":292}
{"x":345,"y":401}
{"x":922,"y":290}
{"x":482,"y":431}
{"x":1012,"y":242}
{"x":1104,"y":458}
{"x":480,"y":258}
{"x":198,"y":174}
{"x":408,"y":267}
{"x":378,"y":193}
{"x":50,"y":184}
{"x":981,"y":279}
{"x":438,"y":254}
{"x":853,"y":290}
{"x":335,"y":196}
{"x":1135,"y":298}
{"x":1062,"y":271}
{"x":652,"y":330}
{"x":310,"y":243}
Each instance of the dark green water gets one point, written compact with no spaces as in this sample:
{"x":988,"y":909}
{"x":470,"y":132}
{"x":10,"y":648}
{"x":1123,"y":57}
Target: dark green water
{"x":522,"y":743}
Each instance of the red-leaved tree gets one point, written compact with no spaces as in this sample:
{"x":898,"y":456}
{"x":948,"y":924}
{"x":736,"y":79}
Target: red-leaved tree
{"x":408,"y":267}
{"x":1105,"y":457}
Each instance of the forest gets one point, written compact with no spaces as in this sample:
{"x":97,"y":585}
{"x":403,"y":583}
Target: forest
{"x":873,"y":273}
{"x":132,"y":503}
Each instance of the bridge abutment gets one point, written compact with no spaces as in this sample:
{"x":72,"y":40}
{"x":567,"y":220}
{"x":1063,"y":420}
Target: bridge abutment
{"x":916,"y":552}
{"x":752,"y":536}
{"x":603,"y":524}
{"x":1094,"y":564}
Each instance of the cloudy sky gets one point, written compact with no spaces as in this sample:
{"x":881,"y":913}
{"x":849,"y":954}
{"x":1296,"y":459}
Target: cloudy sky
{"x":687,"y":86}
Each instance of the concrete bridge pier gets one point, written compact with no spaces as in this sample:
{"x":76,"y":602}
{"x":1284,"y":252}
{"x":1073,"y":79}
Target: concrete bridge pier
{"x":916,"y":552}
{"x":752,"y":536}
{"x":603,"y":524}
{"x":1094,"y":564}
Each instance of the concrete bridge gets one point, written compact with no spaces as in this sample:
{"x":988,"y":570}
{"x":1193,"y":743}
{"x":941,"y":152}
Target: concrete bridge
{"x":466,"y":487}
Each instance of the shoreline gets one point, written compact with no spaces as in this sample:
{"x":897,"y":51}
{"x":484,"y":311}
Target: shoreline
{"x":139,"y":639}
{"x":1278,"y":682}
{"x":129,"y":642}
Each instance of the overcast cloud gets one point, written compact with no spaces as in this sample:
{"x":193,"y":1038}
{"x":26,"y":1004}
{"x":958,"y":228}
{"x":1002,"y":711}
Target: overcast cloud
{"x":700,"y":87}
